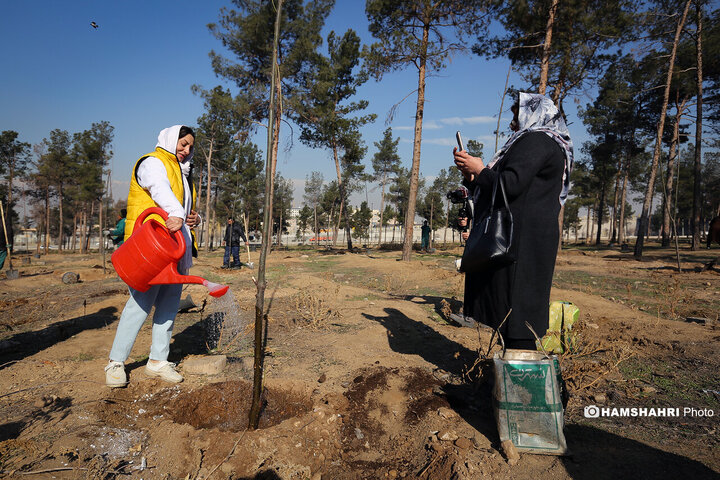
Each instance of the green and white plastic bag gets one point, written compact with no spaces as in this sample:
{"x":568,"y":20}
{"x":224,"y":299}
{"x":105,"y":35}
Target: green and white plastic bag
{"x":527,"y":401}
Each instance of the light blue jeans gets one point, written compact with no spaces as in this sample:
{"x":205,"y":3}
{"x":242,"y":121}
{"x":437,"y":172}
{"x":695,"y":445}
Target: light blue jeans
{"x":166,"y":299}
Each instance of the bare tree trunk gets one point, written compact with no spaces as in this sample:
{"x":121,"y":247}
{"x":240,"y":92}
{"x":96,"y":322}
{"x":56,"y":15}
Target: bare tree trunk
{"x":667,"y":198}
{"x":616,"y":201}
{"x":587,"y":226}
{"x":343,"y":204}
{"x":502,"y":101}
{"x":10,"y":183}
{"x":336,"y":223}
{"x":330,"y":225}
{"x":270,"y":163}
{"x":47,"y":220}
{"x":432,"y":208}
{"x":83,"y":219}
{"x":600,"y":210}
{"x":545,"y":61}
{"x":60,"y":220}
{"x":89,"y":227}
{"x":202,"y":234}
{"x":317,"y":233}
{"x":652,"y":200}
{"x":101,"y":237}
{"x":447,"y":223}
{"x":382,"y":210}
{"x":74,"y":234}
{"x":213,"y":221}
{"x":280,"y":223}
{"x":208,"y":161}
{"x":645,"y":216}
{"x":695,"y":220}
{"x":415,"y":170}
{"x":621,"y":235}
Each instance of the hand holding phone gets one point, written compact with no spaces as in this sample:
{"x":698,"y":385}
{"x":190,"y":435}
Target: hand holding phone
{"x":458,"y":137}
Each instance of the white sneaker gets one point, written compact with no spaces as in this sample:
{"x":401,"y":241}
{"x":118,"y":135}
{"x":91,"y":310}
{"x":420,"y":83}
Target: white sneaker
{"x":164,"y":371}
{"x":115,"y":374}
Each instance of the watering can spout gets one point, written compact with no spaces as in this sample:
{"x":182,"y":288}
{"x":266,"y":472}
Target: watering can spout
{"x":150,"y":255}
{"x":169,"y":275}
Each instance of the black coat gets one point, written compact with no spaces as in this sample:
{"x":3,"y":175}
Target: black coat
{"x":8,"y":226}
{"x":233,"y":234}
{"x":532,"y":170}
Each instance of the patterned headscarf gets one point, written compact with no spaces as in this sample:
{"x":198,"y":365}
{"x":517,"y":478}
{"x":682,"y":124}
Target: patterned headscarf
{"x":537,"y":113}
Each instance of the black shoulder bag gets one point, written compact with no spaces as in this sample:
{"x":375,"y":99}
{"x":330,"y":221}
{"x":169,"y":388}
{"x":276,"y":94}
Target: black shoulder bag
{"x":488,"y":246}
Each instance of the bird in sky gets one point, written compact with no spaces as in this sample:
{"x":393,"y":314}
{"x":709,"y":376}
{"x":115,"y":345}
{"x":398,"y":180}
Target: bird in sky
{"x":94,"y":25}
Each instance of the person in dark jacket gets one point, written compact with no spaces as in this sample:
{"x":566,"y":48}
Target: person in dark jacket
{"x":233,"y":233}
{"x":425,"y":236}
{"x":535,"y":165}
{"x":6,"y":244}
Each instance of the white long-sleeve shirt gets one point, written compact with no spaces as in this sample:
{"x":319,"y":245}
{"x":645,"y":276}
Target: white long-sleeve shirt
{"x":152,"y":176}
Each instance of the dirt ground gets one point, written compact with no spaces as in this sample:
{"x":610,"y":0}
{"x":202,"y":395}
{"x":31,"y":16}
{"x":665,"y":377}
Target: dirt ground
{"x":364,"y":376}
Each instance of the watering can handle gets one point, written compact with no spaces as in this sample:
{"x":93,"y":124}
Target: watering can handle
{"x":178,"y":235}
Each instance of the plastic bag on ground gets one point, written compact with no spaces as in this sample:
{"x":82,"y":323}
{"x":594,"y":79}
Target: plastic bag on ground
{"x":527,"y":401}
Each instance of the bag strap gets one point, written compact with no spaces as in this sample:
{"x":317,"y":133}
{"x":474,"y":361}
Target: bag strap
{"x":501,"y":182}
{"x":502,"y":190}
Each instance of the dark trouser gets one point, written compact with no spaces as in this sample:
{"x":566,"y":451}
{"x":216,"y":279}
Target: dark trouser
{"x":235,"y":251}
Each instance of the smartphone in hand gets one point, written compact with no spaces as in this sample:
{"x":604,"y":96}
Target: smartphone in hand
{"x":458,"y":137}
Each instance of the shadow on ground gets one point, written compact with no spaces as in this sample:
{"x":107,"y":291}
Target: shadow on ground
{"x":597,"y":454}
{"x":56,"y":410}
{"x":411,"y":337}
{"x":26,"y":344}
{"x":437,"y":303}
{"x":264,"y":475}
{"x":471,"y":400}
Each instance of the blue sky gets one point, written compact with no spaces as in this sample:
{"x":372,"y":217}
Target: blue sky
{"x":135,"y":71}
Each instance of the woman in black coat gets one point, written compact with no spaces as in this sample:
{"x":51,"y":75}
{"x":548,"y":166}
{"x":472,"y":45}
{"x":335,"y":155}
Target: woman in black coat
{"x":535,"y":166}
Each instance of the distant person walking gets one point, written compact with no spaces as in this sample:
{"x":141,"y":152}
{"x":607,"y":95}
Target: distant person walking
{"x":159,"y":179}
{"x":118,"y":234}
{"x":233,"y":233}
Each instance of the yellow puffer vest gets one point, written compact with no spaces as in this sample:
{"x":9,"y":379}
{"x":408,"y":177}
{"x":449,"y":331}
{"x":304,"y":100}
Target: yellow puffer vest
{"x":139,"y":199}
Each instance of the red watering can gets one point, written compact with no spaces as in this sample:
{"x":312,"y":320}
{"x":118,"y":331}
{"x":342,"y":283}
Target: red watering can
{"x":150,"y":255}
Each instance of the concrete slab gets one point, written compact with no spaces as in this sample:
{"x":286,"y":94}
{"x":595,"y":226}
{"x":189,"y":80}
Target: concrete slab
{"x":206,"y":365}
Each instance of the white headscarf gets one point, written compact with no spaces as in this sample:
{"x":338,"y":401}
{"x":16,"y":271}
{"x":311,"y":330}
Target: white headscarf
{"x":168,"y":139}
{"x":537,"y":113}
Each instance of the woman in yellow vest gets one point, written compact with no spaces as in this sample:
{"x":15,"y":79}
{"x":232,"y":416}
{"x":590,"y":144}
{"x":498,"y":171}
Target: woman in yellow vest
{"x":159,"y":179}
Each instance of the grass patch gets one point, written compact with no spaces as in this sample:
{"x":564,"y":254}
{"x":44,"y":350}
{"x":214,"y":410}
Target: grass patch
{"x":665,"y":296}
{"x":344,"y":328}
{"x":675,"y":387}
{"x":277,"y":271}
{"x":213,"y":277}
{"x":84,"y":357}
{"x":429,"y":292}
{"x":320,"y":264}
{"x":364,"y":298}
